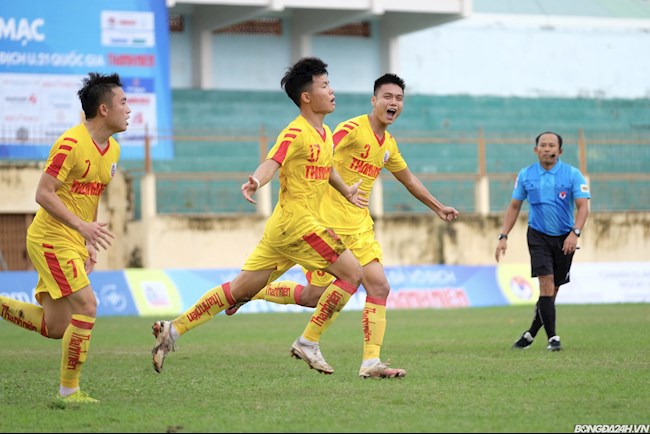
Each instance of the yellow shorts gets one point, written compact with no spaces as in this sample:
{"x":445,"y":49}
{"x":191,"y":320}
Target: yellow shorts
{"x":364,"y":246}
{"x":60,"y":269}
{"x":314,"y":251}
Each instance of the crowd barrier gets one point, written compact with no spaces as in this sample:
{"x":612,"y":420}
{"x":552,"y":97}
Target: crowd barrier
{"x":166,"y":293}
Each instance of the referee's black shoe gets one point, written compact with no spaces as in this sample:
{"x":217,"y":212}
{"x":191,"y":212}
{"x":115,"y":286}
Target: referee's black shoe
{"x":524,"y":341}
{"x":554,"y":344}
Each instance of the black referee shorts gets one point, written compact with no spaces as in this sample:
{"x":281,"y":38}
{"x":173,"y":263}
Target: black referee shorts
{"x":546,"y":256}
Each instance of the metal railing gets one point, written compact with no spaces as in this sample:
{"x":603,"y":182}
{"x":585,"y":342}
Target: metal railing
{"x":493,"y":159}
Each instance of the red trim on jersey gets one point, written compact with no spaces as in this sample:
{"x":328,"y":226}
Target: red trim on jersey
{"x":345,"y":286}
{"x":70,"y":139}
{"x":323,"y":249}
{"x":108,"y":145}
{"x":323,"y":135}
{"x":344,"y":131}
{"x":82,"y":324}
{"x":281,"y":154}
{"x":47,"y":246}
{"x":380,"y":140}
{"x":66,"y":147}
{"x":57,"y":273}
{"x":226,"y":290}
{"x":338,"y":136}
{"x":87,"y":169}
{"x":375,"y":300}
{"x":57,"y":162}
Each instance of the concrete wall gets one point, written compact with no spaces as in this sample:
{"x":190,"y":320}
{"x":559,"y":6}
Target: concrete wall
{"x":493,"y":52}
{"x":529,"y":56}
{"x":212,"y":242}
{"x":17,"y":191}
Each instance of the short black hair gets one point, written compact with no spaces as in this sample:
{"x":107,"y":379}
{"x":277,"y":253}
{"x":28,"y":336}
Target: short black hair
{"x":97,"y":90}
{"x":300,"y":76}
{"x":559,"y":137}
{"x":388,"y":79}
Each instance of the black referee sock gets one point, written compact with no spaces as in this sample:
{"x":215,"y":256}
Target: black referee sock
{"x":547,"y":312}
{"x":537,"y":322}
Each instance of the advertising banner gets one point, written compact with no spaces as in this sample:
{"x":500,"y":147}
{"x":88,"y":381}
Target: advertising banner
{"x":48,"y":46}
{"x":154,"y":292}
{"x":112,"y":292}
{"x":166,"y":293}
{"x":595,"y":283}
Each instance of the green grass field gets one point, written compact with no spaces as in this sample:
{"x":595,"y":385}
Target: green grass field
{"x":234,"y":374}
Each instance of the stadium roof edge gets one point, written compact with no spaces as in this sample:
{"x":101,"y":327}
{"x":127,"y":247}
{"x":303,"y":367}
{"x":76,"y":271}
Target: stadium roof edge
{"x":375,"y":7}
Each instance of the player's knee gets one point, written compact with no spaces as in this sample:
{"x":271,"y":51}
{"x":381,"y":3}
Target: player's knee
{"x":56,"y":330}
{"x":353,"y":274}
{"x":378,"y":291}
{"x":353,"y":279}
{"x":310,"y":295}
{"x":88,"y":309}
{"x":82,"y":302}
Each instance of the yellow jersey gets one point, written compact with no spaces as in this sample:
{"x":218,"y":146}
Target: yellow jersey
{"x":358,"y":154}
{"x":85,"y":171}
{"x":305,"y":158}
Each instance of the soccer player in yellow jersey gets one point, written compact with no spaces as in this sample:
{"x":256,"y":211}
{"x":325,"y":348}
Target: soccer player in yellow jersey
{"x":293,"y":233}
{"x":363,"y":147}
{"x":63,"y":239}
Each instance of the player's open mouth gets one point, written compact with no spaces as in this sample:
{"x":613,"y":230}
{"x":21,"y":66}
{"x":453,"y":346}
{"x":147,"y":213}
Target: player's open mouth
{"x":391,"y":113}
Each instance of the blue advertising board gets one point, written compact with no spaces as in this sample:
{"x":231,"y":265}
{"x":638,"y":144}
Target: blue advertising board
{"x":167,"y":293}
{"x":113,"y":294}
{"x":48,"y":46}
{"x":154,"y":292}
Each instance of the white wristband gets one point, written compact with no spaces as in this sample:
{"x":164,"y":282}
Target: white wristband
{"x":257,"y":181}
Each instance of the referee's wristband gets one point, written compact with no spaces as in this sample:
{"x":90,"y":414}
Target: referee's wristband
{"x":502,"y":236}
{"x":257,"y":181}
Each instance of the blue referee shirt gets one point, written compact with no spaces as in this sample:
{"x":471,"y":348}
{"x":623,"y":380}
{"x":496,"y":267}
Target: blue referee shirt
{"x":551,"y":195}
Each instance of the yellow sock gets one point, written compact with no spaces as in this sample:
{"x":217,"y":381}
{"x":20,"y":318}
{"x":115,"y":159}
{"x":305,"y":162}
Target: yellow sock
{"x":331,"y":302}
{"x":373,"y":321}
{"x":210,"y":304}
{"x":76,"y":341}
{"x":283,"y":292}
{"x":26,"y":315}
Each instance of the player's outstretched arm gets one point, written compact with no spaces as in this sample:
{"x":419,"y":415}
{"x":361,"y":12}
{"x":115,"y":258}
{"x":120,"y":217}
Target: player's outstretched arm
{"x":262,"y":175}
{"x":420,"y":192}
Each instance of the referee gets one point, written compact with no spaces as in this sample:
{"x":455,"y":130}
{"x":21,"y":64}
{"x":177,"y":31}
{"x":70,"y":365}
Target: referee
{"x":553,"y":189}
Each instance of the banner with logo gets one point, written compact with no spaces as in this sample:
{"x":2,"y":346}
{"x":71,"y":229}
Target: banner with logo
{"x":167,"y":293}
{"x":154,"y":292}
{"x":111,"y":289}
{"x":48,"y":46}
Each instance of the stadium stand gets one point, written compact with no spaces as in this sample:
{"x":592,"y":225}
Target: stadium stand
{"x":217,"y":133}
